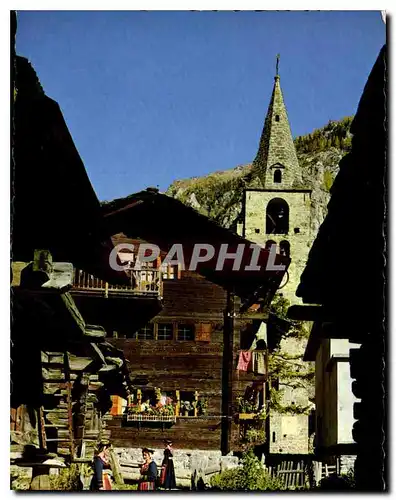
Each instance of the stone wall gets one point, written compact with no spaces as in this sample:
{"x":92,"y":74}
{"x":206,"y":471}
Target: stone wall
{"x":186,"y":462}
{"x":299,"y":235}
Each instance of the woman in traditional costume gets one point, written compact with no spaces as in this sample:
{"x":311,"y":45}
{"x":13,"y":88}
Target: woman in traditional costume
{"x":148,"y":472}
{"x":101,"y":480}
{"x":168,"y":478}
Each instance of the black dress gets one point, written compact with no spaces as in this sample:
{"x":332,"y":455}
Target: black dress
{"x":169,"y":482}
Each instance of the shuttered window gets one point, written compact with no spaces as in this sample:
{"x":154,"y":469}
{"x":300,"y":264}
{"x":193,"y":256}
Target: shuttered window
{"x":203,"y":332}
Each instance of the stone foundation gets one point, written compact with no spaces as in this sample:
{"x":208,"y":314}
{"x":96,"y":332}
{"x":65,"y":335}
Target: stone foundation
{"x":187,"y":463}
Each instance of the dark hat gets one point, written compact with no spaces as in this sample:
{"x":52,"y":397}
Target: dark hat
{"x":168,"y":441}
{"x":147,"y":450}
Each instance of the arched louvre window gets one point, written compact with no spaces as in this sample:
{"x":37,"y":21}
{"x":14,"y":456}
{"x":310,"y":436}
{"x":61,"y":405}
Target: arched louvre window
{"x":269,"y":244}
{"x":277,"y":176}
{"x":284,"y":248}
{"x":277,"y":217}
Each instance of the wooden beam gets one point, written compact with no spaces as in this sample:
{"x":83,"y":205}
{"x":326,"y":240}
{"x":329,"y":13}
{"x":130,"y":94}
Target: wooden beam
{"x":40,"y":478}
{"x":95,"y":333}
{"x":79,"y":363}
{"x":97,"y":354}
{"x":61,"y":277}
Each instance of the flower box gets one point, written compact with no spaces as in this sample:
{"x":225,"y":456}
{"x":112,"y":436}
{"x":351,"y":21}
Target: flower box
{"x":136,"y":417}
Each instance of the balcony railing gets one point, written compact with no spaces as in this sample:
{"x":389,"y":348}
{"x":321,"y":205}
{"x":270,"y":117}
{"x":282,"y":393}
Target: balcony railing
{"x":142,"y":282}
{"x":150,"y":418}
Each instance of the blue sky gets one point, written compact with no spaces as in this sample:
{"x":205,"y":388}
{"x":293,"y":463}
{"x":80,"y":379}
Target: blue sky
{"x":150,"y":97}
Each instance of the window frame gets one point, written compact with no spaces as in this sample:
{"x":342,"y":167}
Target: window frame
{"x":164,"y":325}
{"x":181,"y":326}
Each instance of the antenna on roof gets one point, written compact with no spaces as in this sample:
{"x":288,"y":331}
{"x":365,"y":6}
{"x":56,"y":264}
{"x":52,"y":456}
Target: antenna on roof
{"x":277,"y":64}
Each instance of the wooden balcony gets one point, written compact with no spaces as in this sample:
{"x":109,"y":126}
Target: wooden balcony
{"x":145,"y":282}
{"x":150,"y":418}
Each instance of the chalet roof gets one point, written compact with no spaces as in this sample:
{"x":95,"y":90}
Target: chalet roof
{"x":54,"y":205}
{"x":346,"y":262}
{"x":46,"y":318}
{"x":276,"y":146}
{"x":164,"y":221}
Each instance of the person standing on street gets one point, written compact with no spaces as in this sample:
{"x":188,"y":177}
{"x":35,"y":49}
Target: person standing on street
{"x":148,"y":472}
{"x":168,"y":478}
{"x":100,"y":480}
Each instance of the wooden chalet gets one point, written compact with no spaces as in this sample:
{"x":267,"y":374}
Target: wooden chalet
{"x":186,"y":385}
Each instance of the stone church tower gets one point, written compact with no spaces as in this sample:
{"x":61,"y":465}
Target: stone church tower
{"x":278,"y":212}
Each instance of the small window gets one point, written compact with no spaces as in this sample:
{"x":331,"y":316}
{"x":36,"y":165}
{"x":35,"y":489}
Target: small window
{"x":276,"y":118}
{"x":185,"y":332}
{"x":165,"y":331}
{"x":277,"y":176}
{"x":296,"y":230}
{"x":149,"y":397}
{"x":169,"y":272}
{"x":269,"y":244}
{"x":273,"y":437}
{"x":146,"y":333}
{"x":187,"y":403}
{"x":275,"y":384}
{"x":203,"y":332}
{"x":284,"y":248}
{"x":257,"y":231}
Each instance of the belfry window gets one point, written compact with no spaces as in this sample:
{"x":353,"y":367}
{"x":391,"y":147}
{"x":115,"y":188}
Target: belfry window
{"x":269,"y":244}
{"x":277,"y":217}
{"x":277,"y":176}
{"x":284,"y":248}
{"x":276,"y":118}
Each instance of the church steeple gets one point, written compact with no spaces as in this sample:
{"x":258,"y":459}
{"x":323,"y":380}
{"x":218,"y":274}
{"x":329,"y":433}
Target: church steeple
{"x":276,"y":162}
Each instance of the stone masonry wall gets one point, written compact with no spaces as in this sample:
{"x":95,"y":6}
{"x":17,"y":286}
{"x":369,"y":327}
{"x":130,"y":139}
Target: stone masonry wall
{"x":299,"y":235}
{"x":288,"y":433}
{"x":186,"y":462}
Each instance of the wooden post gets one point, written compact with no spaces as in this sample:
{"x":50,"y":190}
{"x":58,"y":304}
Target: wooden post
{"x":227,"y":369}
{"x":69,"y":403}
{"x":139,"y":397}
{"x":42,"y":265}
{"x":177,"y":409}
{"x":40,"y":478}
{"x":196,"y":404}
{"x":115,"y":467}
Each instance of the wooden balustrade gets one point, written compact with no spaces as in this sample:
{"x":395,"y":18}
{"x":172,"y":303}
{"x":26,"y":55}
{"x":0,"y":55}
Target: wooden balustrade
{"x":142,"y":282}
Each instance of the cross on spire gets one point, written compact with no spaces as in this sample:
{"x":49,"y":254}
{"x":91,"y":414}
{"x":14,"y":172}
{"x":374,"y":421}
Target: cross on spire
{"x":277,"y":64}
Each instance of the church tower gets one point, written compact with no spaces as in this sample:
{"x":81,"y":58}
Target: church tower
{"x":279,"y":211}
{"x":276,"y":162}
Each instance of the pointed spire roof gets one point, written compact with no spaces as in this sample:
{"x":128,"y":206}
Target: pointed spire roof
{"x":276,"y":150}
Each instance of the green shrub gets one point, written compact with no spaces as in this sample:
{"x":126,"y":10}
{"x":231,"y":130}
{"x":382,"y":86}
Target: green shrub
{"x":68,"y":479}
{"x":122,"y":487}
{"x":327,"y":180}
{"x":251,"y":476}
{"x":341,"y":483}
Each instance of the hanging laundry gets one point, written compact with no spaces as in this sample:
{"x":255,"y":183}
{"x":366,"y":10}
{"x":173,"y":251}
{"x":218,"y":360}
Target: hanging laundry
{"x":245,"y":358}
{"x":260,"y":362}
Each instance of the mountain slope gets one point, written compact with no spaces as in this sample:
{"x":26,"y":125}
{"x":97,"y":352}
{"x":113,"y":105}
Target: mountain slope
{"x":219,"y":195}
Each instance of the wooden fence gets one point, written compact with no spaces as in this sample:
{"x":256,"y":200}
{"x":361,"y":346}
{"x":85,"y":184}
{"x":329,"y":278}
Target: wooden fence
{"x":293,"y":475}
